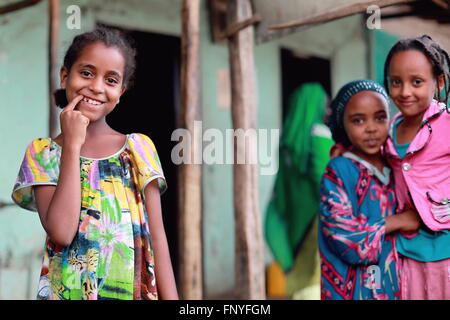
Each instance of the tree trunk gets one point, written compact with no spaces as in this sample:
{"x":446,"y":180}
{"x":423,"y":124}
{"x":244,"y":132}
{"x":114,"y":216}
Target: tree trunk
{"x":249,"y":264}
{"x":190,"y":174}
{"x":53,"y":65}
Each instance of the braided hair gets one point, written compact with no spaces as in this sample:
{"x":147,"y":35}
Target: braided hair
{"x":438,"y":57}
{"x":110,"y":38}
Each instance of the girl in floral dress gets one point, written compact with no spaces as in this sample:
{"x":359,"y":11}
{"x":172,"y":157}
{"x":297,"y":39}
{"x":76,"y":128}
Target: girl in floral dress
{"x":96,"y":190}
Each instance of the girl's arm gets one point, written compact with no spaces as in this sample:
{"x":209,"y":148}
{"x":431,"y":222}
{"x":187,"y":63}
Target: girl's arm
{"x":167,"y":289}
{"x":405,"y":221}
{"x":351,"y":234}
{"x":59,"y":207}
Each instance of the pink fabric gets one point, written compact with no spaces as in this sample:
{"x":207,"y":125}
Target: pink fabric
{"x":427,"y":170}
{"x":425,"y":280}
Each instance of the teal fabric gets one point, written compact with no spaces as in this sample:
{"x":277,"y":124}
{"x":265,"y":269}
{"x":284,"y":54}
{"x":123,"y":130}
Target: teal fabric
{"x":400,"y":148}
{"x":427,"y":245}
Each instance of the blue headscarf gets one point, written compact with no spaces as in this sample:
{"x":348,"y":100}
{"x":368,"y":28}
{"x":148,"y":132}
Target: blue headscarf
{"x":336,"y":120}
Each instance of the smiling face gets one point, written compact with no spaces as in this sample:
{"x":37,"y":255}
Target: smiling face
{"x":412,"y":84}
{"x":366,"y":123}
{"x":97,"y":75}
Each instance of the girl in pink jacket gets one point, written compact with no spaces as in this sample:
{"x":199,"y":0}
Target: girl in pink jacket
{"x":417,"y":78}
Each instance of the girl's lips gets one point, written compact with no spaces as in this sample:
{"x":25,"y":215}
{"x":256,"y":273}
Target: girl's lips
{"x":372,"y":142}
{"x":406,"y":103}
{"x":88,"y":105}
{"x":92,"y":101}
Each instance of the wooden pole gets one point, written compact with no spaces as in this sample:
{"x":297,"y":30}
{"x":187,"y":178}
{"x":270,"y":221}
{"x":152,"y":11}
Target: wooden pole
{"x":337,"y":13}
{"x":53,"y":64}
{"x":190,"y":174}
{"x":249,"y":264}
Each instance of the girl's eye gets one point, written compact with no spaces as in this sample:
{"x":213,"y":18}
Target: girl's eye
{"x":417,"y":82}
{"x":395,"y":82}
{"x":357,"y":121}
{"x":112,"y":81}
{"x":85,"y":73}
{"x":381,"y":118}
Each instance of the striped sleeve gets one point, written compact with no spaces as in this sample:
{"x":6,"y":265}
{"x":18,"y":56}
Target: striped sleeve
{"x":40,"y":166}
{"x":147,"y":162}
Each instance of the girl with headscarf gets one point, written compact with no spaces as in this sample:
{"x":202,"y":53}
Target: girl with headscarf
{"x":356,"y":220}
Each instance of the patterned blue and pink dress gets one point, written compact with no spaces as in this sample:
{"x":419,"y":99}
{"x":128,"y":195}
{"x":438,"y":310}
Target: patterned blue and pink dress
{"x":358,"y":259}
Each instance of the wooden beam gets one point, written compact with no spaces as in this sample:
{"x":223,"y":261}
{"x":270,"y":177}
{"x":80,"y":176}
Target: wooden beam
{"x":53,"y":34}
{"x":6,"y":204}
{"x":249,"y":257}
{"x":190,"y":174}
{"x":18,"y":6}
{"x":337,"y":13}
{"x":241,"y":25}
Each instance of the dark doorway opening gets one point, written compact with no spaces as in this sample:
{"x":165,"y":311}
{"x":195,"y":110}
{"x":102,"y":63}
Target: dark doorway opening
{"x":297,"y":70}
{"x":151,"y":107}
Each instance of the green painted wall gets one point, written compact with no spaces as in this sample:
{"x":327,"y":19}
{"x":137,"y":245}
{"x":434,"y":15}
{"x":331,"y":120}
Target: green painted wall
{"x":218,"y":226}
{"x":380,"y":43}
{"x":23,"y":115}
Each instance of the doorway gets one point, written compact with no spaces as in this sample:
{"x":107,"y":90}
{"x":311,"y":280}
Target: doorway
{"x":297,"y":70}
{"x":150,"y":107}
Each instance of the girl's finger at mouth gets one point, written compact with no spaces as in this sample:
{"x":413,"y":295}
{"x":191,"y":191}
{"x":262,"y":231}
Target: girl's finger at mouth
{"x":79,"y":98}
{"x":74,"y":102}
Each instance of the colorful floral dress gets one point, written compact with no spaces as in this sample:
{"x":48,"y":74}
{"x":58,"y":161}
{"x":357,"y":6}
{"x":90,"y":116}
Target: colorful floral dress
{"x":111,"y":256}
{"x":358,"y":260}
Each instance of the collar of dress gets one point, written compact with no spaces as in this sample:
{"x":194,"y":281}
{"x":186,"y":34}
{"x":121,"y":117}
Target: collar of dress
{"x":384,"y":176}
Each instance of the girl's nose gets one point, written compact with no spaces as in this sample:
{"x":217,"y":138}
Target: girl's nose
{"x":405,"y":91}
{"x":371,"y":126}
{"x":97,"y":85}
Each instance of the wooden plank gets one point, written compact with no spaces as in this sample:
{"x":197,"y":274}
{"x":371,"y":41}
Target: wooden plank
{"x":18,"y":6}
{"x":249,"y":257}
{"x":190,"y":174}
{"x":53,"y":34}
{"x":337,"y":13}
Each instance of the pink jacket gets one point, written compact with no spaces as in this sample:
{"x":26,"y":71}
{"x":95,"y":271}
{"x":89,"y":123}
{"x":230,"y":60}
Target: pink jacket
{"x":423,"y":175}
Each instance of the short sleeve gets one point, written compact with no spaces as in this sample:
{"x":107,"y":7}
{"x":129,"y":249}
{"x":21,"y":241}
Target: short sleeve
{"x":40,"y":166}
{"x":147,"y":161}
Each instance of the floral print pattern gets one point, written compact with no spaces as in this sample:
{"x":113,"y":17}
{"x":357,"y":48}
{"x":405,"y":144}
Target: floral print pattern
{"x":358,"y":259}
{"x":111,"y":256}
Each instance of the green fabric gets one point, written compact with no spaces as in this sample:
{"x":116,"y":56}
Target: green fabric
{"x":304,"y":153}
{"x":306,"y":108}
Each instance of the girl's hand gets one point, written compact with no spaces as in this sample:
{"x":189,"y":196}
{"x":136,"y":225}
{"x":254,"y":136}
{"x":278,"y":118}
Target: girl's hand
{"x":73,"y":124}
{"x":406,"y":221}
{"x":337,"y":150}
{"x":410,"y":220}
